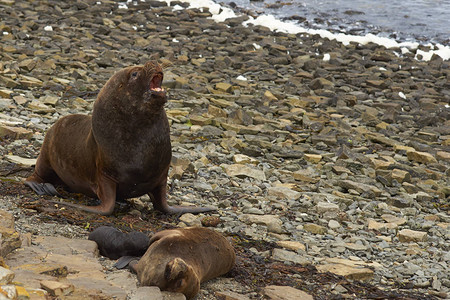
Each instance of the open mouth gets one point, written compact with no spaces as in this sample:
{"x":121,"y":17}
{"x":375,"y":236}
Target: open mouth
{"x":155,"y":83}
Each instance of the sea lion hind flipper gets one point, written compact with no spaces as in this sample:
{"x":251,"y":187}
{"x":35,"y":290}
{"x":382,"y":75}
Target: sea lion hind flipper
{"x":188,"y":209}
{"x":159,"y":200}
{"x":42,"y":188}
{"x":162,"y":205}
{"x":126,"y":261}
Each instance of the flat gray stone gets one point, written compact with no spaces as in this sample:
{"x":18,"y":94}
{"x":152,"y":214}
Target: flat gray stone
{"x":285,"y":293}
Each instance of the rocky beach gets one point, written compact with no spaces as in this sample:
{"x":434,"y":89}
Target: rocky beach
{"x":328,"y":163}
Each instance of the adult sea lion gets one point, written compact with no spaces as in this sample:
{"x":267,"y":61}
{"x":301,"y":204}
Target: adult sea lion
{"x":122,"y":151}
{"x":178,"y":260}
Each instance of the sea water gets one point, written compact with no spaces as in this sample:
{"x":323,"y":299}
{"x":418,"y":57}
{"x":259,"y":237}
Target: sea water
{"x":402,"y":20}
{"x":391,"y":23}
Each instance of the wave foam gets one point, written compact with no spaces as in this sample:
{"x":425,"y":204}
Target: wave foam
{"x":220,"y":14}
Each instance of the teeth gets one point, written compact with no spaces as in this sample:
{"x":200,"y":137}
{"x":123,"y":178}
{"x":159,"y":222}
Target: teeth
{"x":157,"y":89}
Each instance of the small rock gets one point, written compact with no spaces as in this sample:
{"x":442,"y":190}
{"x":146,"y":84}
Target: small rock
{"x":244,"y":159}
{"x":380,"y":164}
{"x":421,"y":157}
{"x":400,"y":175}
{"x":360,"y":187}
{"x":50,"y":100}
{"x":291,"y":245}
{"x":230,"y":296}
{"x":6,"y":219}
{"x":173,"y":296}
{"x":244,"y":171}
{"x":320,"y":83}
{"x":179,"y":166}
{"x":8,"y":292}
{"x":221,"y":102}
{"x":217,"y":112}
{"x":9,"y":240}
{"x":355,"y":247}
{"x":285,"y":293}
{"x":15,"y":132}
{"x":333,"y":224}
{"x":20,"y":100}
{"x":398,"y":148}
{"x":22,"y":293}
{"x":314,"y":228}
{"x":211,"y":221}
{"x":374,"y":225}
{"x":6,"y":276}
{"x":422,"y":196}
{"x":442,"y":155}
{"x":436,"y":283}
{"x":269,"y":96}
{"x":200,"y":120}
{"x":5,"y":93}
{"x":21,"y":161}
{"x":340,"y":170}
{"x":282,"y":192}
{"x":56,"y":288}
{"x":272,"y":222}
{"x":28,"y":81}
{"x":393,"y":219}
{"x":324,"y":207}
{"x":348,"y":272}
{"x":7,"y":2}
{"x":413,"y":249}
{"x":39,"y":107}
{"x":148,"y":293}
{"x":410,"y":188}
{"x":190,"y":219}
{"x":224,"y":87}
{"x":314,"y":158}
{"x":407,"y":235}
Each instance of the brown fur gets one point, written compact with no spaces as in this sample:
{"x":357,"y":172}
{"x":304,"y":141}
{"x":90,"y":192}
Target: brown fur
{"x":122,"y":151}
{"x":178,"y":260}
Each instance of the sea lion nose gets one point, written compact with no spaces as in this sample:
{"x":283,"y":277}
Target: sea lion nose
{"x":148,"y":65}
{"x":152,"y":67}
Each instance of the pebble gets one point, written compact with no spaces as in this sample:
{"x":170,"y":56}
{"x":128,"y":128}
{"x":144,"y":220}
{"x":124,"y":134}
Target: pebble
{"x":6,"y":276}
{"x":407,"y":235}
{"x":57,"y":289}
{"x":285,"y":293}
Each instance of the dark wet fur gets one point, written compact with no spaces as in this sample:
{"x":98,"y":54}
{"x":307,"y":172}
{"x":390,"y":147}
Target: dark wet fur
{"x":114,"y":244}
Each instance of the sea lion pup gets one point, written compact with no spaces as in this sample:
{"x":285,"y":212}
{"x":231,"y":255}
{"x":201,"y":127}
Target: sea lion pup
{"x":122,"y":151}
{"x":115,"y":244}
{"x":178,"y":260}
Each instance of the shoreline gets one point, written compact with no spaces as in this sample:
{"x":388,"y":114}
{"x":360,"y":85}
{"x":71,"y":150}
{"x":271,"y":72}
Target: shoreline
{"x":222,"y":13}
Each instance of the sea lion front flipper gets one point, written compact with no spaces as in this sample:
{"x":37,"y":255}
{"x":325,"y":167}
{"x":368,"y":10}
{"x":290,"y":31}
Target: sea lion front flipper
{"x":42,"y":188}
{"x":126,"y":261}
{"x":106,"y":192}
